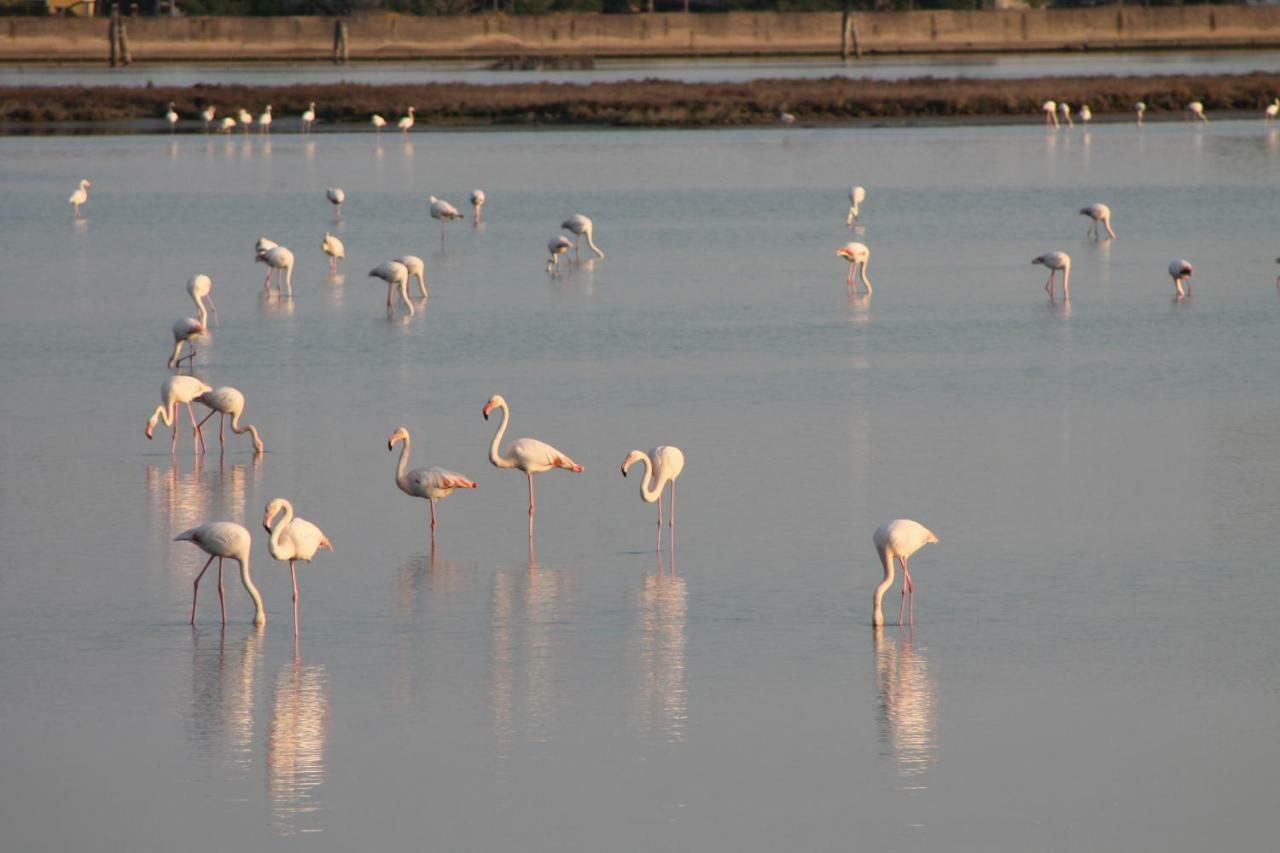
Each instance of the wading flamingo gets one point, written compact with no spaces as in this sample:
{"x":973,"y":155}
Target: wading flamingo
{"x":1050,"y":110}
{"x":185,"y":331}
{"x":1180,"y":271}
{"x":292,"y":539}
{"x":406,"y":122}
{"x":417,"y":269}
{"x":855,"y":254}
{"x":786,"y":119}
{"x":556,"y":246}
{"x":336,"y":197}
{"x":1065,"y":109}
{"x":228,"y":401}
{"x":396,"y":274}
{"x":309,"y":117}
{"x":1140,"y":110}
{"x":171,"y":116}
{"x":443,"y":211}
{"x":280,"y":261}
{"x":228,"y":124}
{"x":528,"y":454}
{"x":901,"y":539}
{"x":378,"y":123}
{"x":662,"y":465}
{"x":1195,"y":110}
{"x":582,"y":227}
{"x":245,"y":118}
{"x":264,"y":121}
{"x":857,"y":195}
{"x":207,"y":114}
{"x":1099,"y":214}
{"x":1086,"y":115}
{"x":200,"y":288}
{"x":1056,"y":261}
{"x":224,"y":540}
{"x":80,"y":196}
{"x":429,"y":483}
{"x":477,"y":202}
{"x":333,"y":247}
{"x":176,"y":391}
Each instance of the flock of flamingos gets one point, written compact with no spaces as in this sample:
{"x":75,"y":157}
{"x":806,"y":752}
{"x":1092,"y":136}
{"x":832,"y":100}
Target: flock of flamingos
{"x":295,"y":539}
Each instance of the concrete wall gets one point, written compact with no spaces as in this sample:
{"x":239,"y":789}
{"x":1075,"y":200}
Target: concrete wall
{"x":743,"y":33}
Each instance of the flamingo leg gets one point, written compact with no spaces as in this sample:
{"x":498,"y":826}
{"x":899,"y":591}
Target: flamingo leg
{"x":531,"y":506}
{"x":293,"y":570}
{"x":222,"y":594}
{"x":433,"y":515}
{"x":910,"y":587}
{"x":173,"y":445}
{"x":266,"y":282}
{"x":198,"y":436}
{"x":195,"y":592}
{"x":388,"y":294}
{"x":1048,"y":285}
{"x":849,"y":280}
{"x":659,"y":523}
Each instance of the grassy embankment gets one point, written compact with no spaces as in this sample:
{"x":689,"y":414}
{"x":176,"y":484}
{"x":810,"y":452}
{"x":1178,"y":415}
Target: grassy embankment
{"x":649,"y":103}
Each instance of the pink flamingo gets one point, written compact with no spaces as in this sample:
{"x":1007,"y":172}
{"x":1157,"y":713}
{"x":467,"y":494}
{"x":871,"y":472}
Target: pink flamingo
{"x":1101,"y":215}
{"x":200,"y":289}
{"x":900,"y":538}
{"x":292,"y":539}
{"x":855,"y":254}
{"x":280,"y":261}
{"x":429,"y":483}
{"x":228,"y":401}
{"x":1056,"y":261}
{"x":417,"y":268}
{"x":174,"y":391}
{"x":662,"y":465}
{"x":224,"y":540}
{"x":528,"y":454}
{"x":397,"y":274}
{"x":1180,"y":271}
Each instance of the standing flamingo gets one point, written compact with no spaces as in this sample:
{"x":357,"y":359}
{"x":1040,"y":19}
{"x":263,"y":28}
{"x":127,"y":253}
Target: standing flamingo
{"x":1098,"y":213}
{"x":264,"y":121}
{"x":245,"y":118}
{"x":228,"y":401}
{"x":1086,"y":115}
{"x":416,"y":268}
{"x":786,"y":119}
{"x":280,"y":261}
{"x":477,"y":202}
{"x":207,"y":114}
{"x":1065,"y":109}
{"x":1180,"y":271}
{"x":80,"y":196}
{"x":857,"y":195}
{"x":292,"y":539}
{"x":900,"y":538}
{"x":336,"y":197}
{"x":556,"y":246}
{"x":171,"y":116}
{"x":176,"y":391}
{"x":443,"y":211}
{"x":264,"y":243}
{"x":429,"y":483}
{"x":405,"y":123}
{"x":228,"y":124}
{"x":1056,"y":261}
{"x":185,"y":331}
{"x":855,"y":254}
{"x":230,"y":541}
{"x":1140,"y":110}
{"x":309,"y":117}
{"x":662,"y":465}
{"x":1050,"y":110}
{"x":334,"y":248}
{"x":528,"y":454}
{"x":1195,"y":110}
{"x":394,"y":273}
{"x":378,"y":123}
{"x":581,"y":226}
{"x":200,"y":288}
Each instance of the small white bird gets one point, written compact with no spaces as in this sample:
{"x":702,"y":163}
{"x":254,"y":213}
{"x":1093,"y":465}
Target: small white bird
{"x":557,"y":246}
{"x":378,"y":123}
{"x":1195,"y":110}
{"x":477,"y":202}
{"x":406,"y":122}
{"x":207,"y":114}
{"x":1056,"y":261}
{"x":1098,"y":213}
{"x":443,"y":211}
{"x":308,"y":117}
{"x":394,"y":274}
{"x":280,"y":261}
{"x":417,"y":269}
{"x":1180,"y":271}
{"x":264,"y":121}
{"x":857,"y":195}
{"x":228,"y":124}
{"x":855,"y":254}
{"x":226,"y":401}
{"x":176,"y":391}
{"x":172,"y":117}
{"x":200,"y":288}
{"x":899,"y":538}
{"x":430,"y":483}
{"x":333,"y":247}
{"x":245,"y":118}
{"x":292,"y":539}
{"x":1140,"y":110}
{"x":230,"y":541}
{"x":1065,"y":109}
{"x":80,"y":196}
{"x":786,"y":119}
{"x":1050,"y":109}
{"x":1272,"y":110}
{"x":662,"y":465}
{"x":1086,"y":115}
{"x":185,"y":331}
{"x":582,"y":227}
{"x":336,"y":197}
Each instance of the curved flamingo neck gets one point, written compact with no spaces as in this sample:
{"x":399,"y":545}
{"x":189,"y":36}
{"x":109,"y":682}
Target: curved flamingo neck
{"x":260,"y":614}
{"x":586,"y":232}
{"x":401,"y":480}
{"x":278,"y":527}
{"x":249,"y":428}
{"x":494,"y":456}
{"x":650,"y":488}
{"x":165,"y":412}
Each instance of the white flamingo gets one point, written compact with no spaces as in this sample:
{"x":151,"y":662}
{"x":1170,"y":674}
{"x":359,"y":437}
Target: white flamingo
{"x":856,"y":254}
{"x":226,"y":401}
{"x":176,"y":391}
{"x":556,"y":247}
{"x":443,"y":211}
{"x":1050,"y":110}
{"x":185,"y":331}
{"x":1140,"y":110}
{"x":1086,"y":115}
{"x":1056,"y":261}
{"x":405,"y":122}
{"x":395,"y":274}
{"x":417,"y":268}
{"x":171,"y":116}
{"x":200,"y":289}
{"x":1065,"y":109}
{"x":429,"y":483}
{"x":228,"y":124}
{"x":245,"y":118}
{"x":582,"y":227}
{"x":786,"y":119}
{"x":662,"y":465}
{"x":336,"y":197}
{"x":900,"y":538}
{"x":80,"y":196}
{"x":264,"y":121}
{"x":528,"y":454}
{"x":292,"y":539}
{"x":1272,"y":110}
{"x":378,"y":123}
{"x":477,"y":202}
{"x":1195,"y":110}
{"x":1099,"y":214}
{"x":224,"y":540}
{"x":280,"y":261}
{"x":309,"y":117}
{"x":857,"y":195}
{"x":1180,"y":271}
{"x":208,"y":114}
{"x":334,"y":248}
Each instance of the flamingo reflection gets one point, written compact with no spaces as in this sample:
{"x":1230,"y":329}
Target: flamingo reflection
{"x":222,"y":695}
{"x":296,"y":743}
{"x":662,"y":693}
{"x":908,"y":705}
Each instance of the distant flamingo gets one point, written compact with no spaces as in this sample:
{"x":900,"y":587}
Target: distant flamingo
{"x":857,"y":195}
{"x":245,"y":118}
{"x":855,"y":254}
{"x":224,"y":540}
{"x":1140,"y":110}
{"x":1180,"y":271}
{"x":394,"y":273}
{"x":1065,"y":109}
{"x":378,"y":123}
{"x":264,"y":121}
{"x":429,"y":483}
{"x":477,"y":202}
{"x":185,"y":331}
{"x":528,"y":454}
{"x":228,"y":401}
{"x":786,"y":119}
{"x":443,"y":211}
{"x":582,"y":227}
{"x":1272,"y":110}
{"x":207,"y":114}
{"x":280,"y":261}
{"x":417,"y":268}
{"x":901,"y":539}
{"x":292,"y":539}
{"x":80,"y":196}
{"x":1050,"y":110}
{"x":171,"y":116}
{"x":1195,"y":110}
{"x":334,"y":248}
{"x":309,"y":117}
{"x":228,"y":124}
{"x":176,"y":391}
{"x":405,"y":122}
{"x":1099,"y":214}
{"x":200,"y":288}
{"x":556,"y":246}
{"x":1086,"y":115}
{"x":336,"y":197}
{"x":1056,"y":261}
{"x":662,"y":465}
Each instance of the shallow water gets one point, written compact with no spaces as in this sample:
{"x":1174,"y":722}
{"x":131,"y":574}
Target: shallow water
{"x":1095,"y":657}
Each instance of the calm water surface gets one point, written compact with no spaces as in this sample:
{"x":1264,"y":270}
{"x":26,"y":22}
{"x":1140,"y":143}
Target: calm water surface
{"x":1096,"y":654}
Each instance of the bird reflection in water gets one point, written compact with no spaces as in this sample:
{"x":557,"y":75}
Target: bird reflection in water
{"x":907,"y":711}
{"x":223,"y":679}
{"x":272,"y":302}
{"x":295,"y":745}
{"x":859,"y":308}
{"x":661,"y":701}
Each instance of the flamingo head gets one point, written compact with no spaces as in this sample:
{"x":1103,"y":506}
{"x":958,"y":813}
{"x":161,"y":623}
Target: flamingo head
{"x":843,"y":252}
{"x":273,"y":509}
{"x":401,"y":434}
{"x":151,"y":426}
{"x":632,"y":458}
{"x":495,"y":402}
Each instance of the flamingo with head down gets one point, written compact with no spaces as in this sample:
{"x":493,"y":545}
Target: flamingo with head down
{"x":417,"y":270}
{"x":1056,"y":261}
{"x":395,"y":274}
{"x":556,"y":246}
{"x":176,"y":391}
{"x":280,"y":261}
{"x":430,"y":483}
{"x":857,"y":195}
{"x":225,"y":540}
{"x":1180,"y":271}
{"x":200,"y":289}
{"x":336,"y":251}
{"x":528,"y":454}
{"x":1100,"y":214}
{"x":582,"y":227}
{"x":900,"y":538}
{"x":228,"y":401}
{"x":662,"y":465}
{"x":856,"y":254}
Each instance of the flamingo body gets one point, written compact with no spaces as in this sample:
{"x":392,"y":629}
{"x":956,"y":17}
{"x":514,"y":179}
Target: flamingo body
{"x":176,"y":391}
{"x":1180,"y":271}
{"x":417,"y":269}
{"x":1050,"y":110}
{"x":334,"y":248}
{"x":378,"y":122}
{"x":224,"y":540}
{"x":336,"y":197}
{"x":200,"y":289}
{"x":582,"y":226}
{"x":477,"y":202}
{"x":226,"y":401}
{"x":1086,"y":114}
{"x":309,"y":117}
{"x":1100,"y":214}
{"x":406,"y":122}
{"x":899,"y":538}
{"x":527,"y":454}
{"x":857,"y":195}
{"x":1195,"y":111}
{"x":1140,"y":110}
{"x":394,"y":274}
{"x":292,"y":539}
{"x":856,"y":254}
{"x":79,"y":196}
{"x":280,"y":261}
{"x":264,"y":121}
{"x":208,"y":114}
{"x":556,"y":247}
{"x":171,"y":116}
{"x":228,"y":124}
{"x":429,"y":483}
{"x":1056,"y":261}
{"x":662,"y":465}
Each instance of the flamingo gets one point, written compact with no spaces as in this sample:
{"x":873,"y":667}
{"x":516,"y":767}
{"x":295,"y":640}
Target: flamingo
{"x":207,"y":114}
{"x":309,"y":117}
{"x":855,"y":254}
{"x":264,"y":121}
{"x":245,"y":118}
{"x":176,"y":391}
{"x":477,"y":202}
{"x":1140,"y":109}
{"x":1065,"y":109}
{"x":1086,"y":115}
{"x":786,"y":119}
{"x":1272,"y":110}
{"x":1050,"y":110}
{"x":333,"y":247}
{"x":200,"y":288}
{"x":80,"y":196}
{"x":1056,"y":261}
{"x":443,"y":211}
{"x":172,"y":117}
{"x":662,"y":465}
{"x":1099,"y":213}
{"x":857,"y":195}
{"x":556,"y":246}
{"x":228,"y":401}
{"x":394,"y":273}
{"x":429,"y":483}
{"x":528,"y":454}
{"x":378,"y":123}
{"x":292,"y":539}
{"x":336,"y":197}
{"x":280,"y":260}
{"x":416,"y":268}
{"x":405,"y":122}
{"x":228,"y":124}
{"x":1195,"y":110}
{"x":1180,"y":271}
{"x":185,"y":331}
{"x":900,"y":538}
{"x":581,"y":226}
{"x":225,"y":540}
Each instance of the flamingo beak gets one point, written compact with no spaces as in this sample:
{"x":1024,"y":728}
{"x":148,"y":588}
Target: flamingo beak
{"x":266,"y":522}
{"x":150,"y":427}
{"x":488,"y":407}
{"x":624,"y":470}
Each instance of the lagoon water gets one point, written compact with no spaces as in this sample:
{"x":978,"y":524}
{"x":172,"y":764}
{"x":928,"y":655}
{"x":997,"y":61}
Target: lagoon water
{"x":1096,"y":651}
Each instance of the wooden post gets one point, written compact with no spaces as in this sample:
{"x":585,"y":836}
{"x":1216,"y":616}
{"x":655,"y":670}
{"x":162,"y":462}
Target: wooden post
{"x":844,"y":35}
{"x":857,"y":48}
{"x":111,"y":33}
{"x":122,"y":35}
{"x":340,"y":50}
